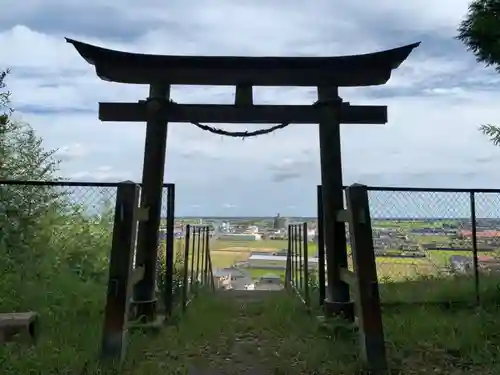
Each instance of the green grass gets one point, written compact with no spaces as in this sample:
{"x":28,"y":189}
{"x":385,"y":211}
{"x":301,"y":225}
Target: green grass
{"x":278,"y":336}
{"x":416,"y":224}
{"x":284,"y":339}
{"x":71,"y":315}
{"x":257,"y":245}
{"x":263,"y":244}
{"x":429,"y":239}
{"x":273,"y":335}
{"x":258,"y":272}
{"x":443,"y":257}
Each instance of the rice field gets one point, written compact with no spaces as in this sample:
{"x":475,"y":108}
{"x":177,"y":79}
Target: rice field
{"x":227,"y":253}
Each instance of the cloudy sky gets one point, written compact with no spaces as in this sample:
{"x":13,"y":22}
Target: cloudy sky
{"x":436,"y":99}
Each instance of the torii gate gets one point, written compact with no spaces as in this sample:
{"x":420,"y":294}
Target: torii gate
{"x":325,"y":73}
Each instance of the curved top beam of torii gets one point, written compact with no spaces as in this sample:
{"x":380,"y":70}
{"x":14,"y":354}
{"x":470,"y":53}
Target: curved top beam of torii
{"x":356,"y":70}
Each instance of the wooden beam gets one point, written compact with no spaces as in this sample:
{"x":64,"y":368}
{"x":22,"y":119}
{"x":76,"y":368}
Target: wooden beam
{"x":257,"y":114}
{"x":243,"y":95}
{"x":229,"y":77}
{"x":137,"y":275}
{"x":21,"y":325}
{"x":371,"y":331}
{"x":348,"y":276}
{"x":142,"y":213}
{"x":114,"y":334}
{"x":345,"y":216}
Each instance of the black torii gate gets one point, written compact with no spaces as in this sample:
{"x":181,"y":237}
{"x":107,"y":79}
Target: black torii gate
{"x":325,"y":73}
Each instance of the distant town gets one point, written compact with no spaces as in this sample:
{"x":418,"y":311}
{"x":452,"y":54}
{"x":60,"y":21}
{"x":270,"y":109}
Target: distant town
{"x":248,"y":252}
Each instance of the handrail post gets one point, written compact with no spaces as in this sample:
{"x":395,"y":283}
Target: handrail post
{"x":306,"y":264}
{"x":198,"y":255}
{"x":295,"y":279}
{"x":300,"y":256}
{"x":185,"y":281}
{"x":210,"y":270}
{"x":207,"y":256}
{"x":321,"y":248}
{"x":204,"y":257}
{"x":288,"y":270}
{"x":194,"y":233}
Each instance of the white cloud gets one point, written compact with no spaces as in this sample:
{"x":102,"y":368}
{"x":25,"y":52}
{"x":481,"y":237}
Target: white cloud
{"x":71,"y":152}
{"x":436,"y":99}
{"x":103,"y":173}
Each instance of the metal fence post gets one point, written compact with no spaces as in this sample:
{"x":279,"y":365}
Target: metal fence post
{"x":321,"y":248}
{"x":185,"y":281}
{"x":198,"y":254}
{"x":288,"y":271}
{"x":169,"y":250}
{"x":300,"y":242}
{"x":305,"y":247}
{"x":474,"y":245}
{"x":194,"y":232}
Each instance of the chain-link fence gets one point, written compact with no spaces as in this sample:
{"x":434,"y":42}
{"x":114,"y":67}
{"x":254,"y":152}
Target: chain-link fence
{"x":68,"y":223}
{"x":55,"y":241}
{"x":435,"y":245}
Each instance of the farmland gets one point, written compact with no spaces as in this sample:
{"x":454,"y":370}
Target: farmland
{"x":405,"y":249}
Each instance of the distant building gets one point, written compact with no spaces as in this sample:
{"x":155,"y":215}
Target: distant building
{"x":232,"y":278}
{"x":481,"y":234}
{"x":280,"y":222}
{"x":463,"y":264}
{"x":274,"y":261}
{"x":253,"y":229}
{"x":269,"y":282}
{"x":239,"y":237}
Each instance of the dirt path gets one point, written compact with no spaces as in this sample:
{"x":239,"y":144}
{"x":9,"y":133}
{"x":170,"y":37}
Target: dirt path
{"x":243,"y":332}
{"x":243,"y":354}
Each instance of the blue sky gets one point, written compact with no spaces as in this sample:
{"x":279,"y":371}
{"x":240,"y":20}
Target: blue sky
{"x":436,"y":99}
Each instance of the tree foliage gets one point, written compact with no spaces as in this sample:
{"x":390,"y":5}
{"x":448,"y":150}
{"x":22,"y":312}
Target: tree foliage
{"x":22,"y":154}
{"x":480,"y":32}
{"x":22,"y":157}
{"x":40,"y":223}
{"x":54,"y":251}
{"x":493,"y":132}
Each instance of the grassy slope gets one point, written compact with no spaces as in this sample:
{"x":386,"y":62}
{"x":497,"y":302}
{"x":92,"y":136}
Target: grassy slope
{"x":70,"y":326}
{"x":276,"y":336}
{"x":71,"y":313}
